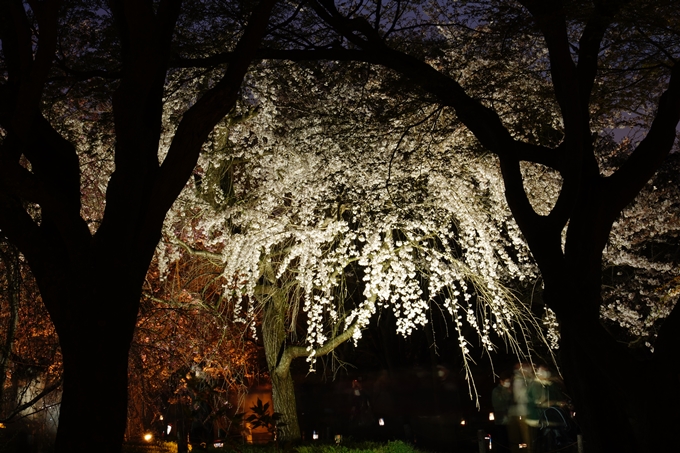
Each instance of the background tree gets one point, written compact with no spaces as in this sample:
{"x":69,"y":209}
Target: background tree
{"x":90,"y":275}
{"x":30,"y":361}
{"x":188,"y":353}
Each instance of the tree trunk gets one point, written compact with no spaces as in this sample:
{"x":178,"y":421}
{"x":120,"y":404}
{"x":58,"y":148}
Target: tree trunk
{"x":631,"y":408}
{"x":624,"y":402}
{"x":283,"y":395}
{"x":95,"y":312}
{"x":283,"y":390}
{"x":93,"y":410}
{"x":601,"y":403}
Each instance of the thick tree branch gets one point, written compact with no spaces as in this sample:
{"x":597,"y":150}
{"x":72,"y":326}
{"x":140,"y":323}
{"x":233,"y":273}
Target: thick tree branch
{"x":54,"y":183}
{"x":481,"y":120}
{"x":146,"y":38}
{"x":212,"y":256}
{"x":543,"y":233}
{"x":550,"y":19}
{"x":16,"y":40}
{"x":33,"y":72}
{"x":18,"y":226}
{"x":201,"y":118}
{"x":625,"y":184}
{"x":55,"y":179}
{"x":293,"y":352}
{"x":349,"y":28}
{"x":590,"y":43}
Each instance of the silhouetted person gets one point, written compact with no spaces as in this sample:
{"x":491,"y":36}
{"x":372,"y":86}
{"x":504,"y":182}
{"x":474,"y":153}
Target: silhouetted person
{"x":542,"y":393}
{"x":518,"y":430}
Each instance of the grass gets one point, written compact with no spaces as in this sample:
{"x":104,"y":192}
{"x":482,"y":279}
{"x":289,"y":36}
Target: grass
{"x":364,"y":447}
{"x":359,"y":447}
{"x":159,"y":447}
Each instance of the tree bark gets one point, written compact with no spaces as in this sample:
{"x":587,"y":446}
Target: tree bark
{"x":274,"y":336}
{"x":283,"y":396}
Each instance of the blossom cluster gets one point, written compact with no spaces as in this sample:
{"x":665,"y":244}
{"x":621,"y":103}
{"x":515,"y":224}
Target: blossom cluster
{"x":356,"y":226}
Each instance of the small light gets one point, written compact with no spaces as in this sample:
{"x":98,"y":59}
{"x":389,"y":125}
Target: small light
{"x":491,"y":416}
{"x":2,"y":426}
{"x":168,"y":429}
{"x":338,"y":438}
{"x":381,"y":422}
{"x":315,"y":435}
{"x":522,"y":445}
{"x":161,"y":418}
{"x":148,"y":437}
{"x":462,"y":422}
{"x":218,"y":444}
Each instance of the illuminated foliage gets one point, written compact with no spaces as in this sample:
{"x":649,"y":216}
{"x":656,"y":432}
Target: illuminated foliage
{"x":30,"y":360}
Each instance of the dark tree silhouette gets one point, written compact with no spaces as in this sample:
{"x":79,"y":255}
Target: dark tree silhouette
{"x":90,"y":279}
